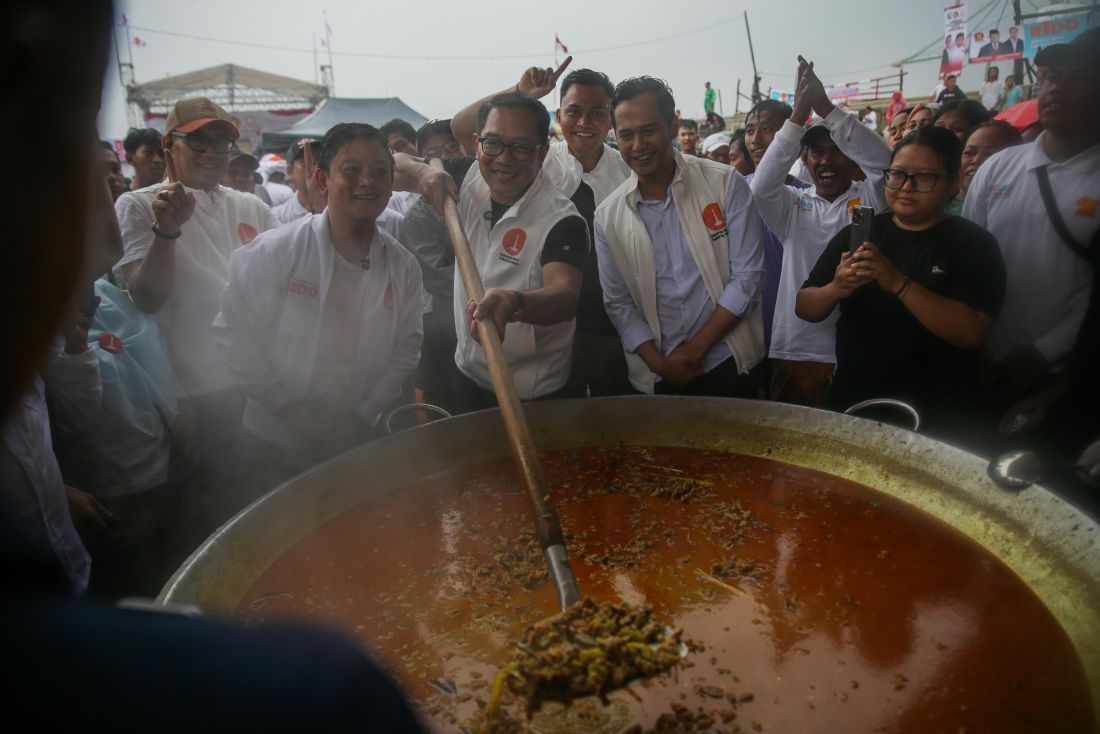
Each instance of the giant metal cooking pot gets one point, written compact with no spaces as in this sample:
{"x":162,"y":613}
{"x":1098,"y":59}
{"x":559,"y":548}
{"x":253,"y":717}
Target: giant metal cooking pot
{"x":1049,"y":544}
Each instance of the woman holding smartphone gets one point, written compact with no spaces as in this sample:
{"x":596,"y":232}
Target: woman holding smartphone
{"x":917,"y":299}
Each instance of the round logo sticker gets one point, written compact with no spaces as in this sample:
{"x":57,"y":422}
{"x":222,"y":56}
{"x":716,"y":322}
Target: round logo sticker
{"x":246,"y":232}
{"x":110,"y":343}
{"x":513,"y":242}
{"x":714,"y":218}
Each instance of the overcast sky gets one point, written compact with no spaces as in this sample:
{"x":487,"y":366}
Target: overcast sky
{"x":686,"y":42}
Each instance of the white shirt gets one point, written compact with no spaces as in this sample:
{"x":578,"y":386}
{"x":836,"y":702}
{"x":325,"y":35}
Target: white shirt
{"x":224,"y":219}
{"x":683,"y":305}
{"x":1048,"y":284}
{"x":402,"y":201}
{"x":278,"y":192}
{"x":31,"y":482}
{"x":991,"y":93}
{"x":566,"y":172}
{"x":805,"y":222}
{"x":275,"y":329}
{"x":289,"y":210}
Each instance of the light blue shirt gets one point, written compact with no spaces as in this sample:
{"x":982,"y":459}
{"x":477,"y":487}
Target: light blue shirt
{"x":683,"y":306}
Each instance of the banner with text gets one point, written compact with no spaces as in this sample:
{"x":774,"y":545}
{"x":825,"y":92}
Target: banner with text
{"x":954,"y":42}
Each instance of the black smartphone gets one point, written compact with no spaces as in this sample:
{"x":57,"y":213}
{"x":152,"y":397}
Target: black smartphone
{"x":861,"y":226}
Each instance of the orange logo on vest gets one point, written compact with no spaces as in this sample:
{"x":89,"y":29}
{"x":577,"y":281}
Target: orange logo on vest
{"x":246,"y":232}
{"x":714,"y":218}
{"x":513,"y":242}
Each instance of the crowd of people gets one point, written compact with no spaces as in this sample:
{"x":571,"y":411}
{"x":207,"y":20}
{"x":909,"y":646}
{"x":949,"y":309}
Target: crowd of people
{"x":243,"y":318}
{"x":256,"y":316}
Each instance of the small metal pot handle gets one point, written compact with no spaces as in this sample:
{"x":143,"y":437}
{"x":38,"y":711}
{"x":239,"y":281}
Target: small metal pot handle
{"x":887,"y":401}
{"x":414,"y":406}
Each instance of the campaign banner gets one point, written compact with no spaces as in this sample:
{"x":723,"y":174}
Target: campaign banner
{"x":844,"y":92}
{"x":996,"y":45}
{"x":954,"y":42}
{"x":1047,"y":32}
{"x":782,"y":95}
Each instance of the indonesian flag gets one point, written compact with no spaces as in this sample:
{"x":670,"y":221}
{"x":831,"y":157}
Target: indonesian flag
{"x":558,"y":44}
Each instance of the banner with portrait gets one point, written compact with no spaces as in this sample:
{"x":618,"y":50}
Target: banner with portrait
{"x":996,"y":44}
{"x":954,"y":42}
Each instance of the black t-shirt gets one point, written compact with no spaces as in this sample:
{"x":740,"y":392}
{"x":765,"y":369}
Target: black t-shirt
{"x":568,"y":241}
{"x":882,"y":350}
{"x":948,"y":95}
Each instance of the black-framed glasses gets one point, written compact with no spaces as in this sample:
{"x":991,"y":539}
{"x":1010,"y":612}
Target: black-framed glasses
{"x":922,"y":182}
{"x":493,"y":147}
{"x":200,"y":143}
{"x":437,"y":151}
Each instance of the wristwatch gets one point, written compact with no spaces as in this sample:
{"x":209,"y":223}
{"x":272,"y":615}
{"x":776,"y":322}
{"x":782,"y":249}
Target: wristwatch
{"x":163,"y":236}
{"x":521,"y":301}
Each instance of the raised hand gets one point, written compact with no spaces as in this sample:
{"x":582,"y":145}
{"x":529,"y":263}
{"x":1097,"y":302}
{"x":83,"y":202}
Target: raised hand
{"x":174,"y":204}
{"x":318,"y":200}
{"x":814,"y":90}
{"x":802,"y":94}
{"x":538,"y":82}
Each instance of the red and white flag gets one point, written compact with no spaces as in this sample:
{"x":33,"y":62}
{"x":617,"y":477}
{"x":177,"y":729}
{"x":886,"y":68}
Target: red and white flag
{"x":558,"y":44}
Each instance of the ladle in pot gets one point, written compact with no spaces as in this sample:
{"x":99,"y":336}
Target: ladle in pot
{"x":547,"y":525}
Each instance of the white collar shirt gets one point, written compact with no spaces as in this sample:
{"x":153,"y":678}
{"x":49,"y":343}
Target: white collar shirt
{"x":1048,"y":284}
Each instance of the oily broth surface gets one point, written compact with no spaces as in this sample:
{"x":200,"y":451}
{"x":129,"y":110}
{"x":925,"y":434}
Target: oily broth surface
{"x":817,"y":604}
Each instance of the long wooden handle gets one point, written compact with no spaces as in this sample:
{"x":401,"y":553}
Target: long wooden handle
{"x":515,"y":422}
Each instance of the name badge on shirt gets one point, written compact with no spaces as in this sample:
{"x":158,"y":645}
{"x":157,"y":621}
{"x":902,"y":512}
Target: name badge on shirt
{"x":715,"y":219}
{"x":512,"y":243}
{"x":302,"y":288}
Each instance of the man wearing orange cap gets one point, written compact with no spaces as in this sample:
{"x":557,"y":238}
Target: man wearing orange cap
{"x":177,"y":238}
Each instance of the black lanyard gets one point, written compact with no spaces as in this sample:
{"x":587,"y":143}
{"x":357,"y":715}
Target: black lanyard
{"x":1045,"y":190}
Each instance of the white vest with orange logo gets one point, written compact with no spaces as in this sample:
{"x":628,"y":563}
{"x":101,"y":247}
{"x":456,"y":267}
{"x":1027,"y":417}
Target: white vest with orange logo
{"x":697,"y":195}
{"x":509,"y":256}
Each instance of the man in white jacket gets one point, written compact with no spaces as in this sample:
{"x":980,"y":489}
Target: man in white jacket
{"x":680,"y":257}
{"x":804,"y":354}
{"x":321,"y":320}
{"x":530,"y":243}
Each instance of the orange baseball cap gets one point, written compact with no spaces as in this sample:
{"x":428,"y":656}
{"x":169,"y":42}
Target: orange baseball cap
{"x":193,"y":113}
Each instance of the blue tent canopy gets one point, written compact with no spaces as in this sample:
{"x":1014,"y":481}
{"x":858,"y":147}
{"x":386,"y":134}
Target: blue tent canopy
{"x":373,"y":111}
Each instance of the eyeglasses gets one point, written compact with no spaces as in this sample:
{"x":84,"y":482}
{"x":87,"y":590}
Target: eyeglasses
{"x":200,"y":143}
{"x":437,"y":151}
{"x":493,"y":147}
{"x":922,"y":182}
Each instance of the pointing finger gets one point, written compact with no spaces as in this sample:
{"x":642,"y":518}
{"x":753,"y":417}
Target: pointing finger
{"x":556,"y":74}
{"x":170,"y":166}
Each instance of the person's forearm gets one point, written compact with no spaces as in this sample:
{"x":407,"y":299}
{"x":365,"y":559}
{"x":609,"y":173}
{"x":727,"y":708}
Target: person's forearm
{"x":464,"y":124}
{"x":952,"y":321}
{"x":649,"y":354}
{"x":720,"y":323}
{"x":816,"y":304}
{"x":551,"y":304}
{"x":153,"y":281}
{"x":408,"y":173}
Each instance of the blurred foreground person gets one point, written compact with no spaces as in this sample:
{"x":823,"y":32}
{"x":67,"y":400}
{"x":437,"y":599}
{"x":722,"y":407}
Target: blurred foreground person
{"x":79,"y":666}
{"x":115,"y":183}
